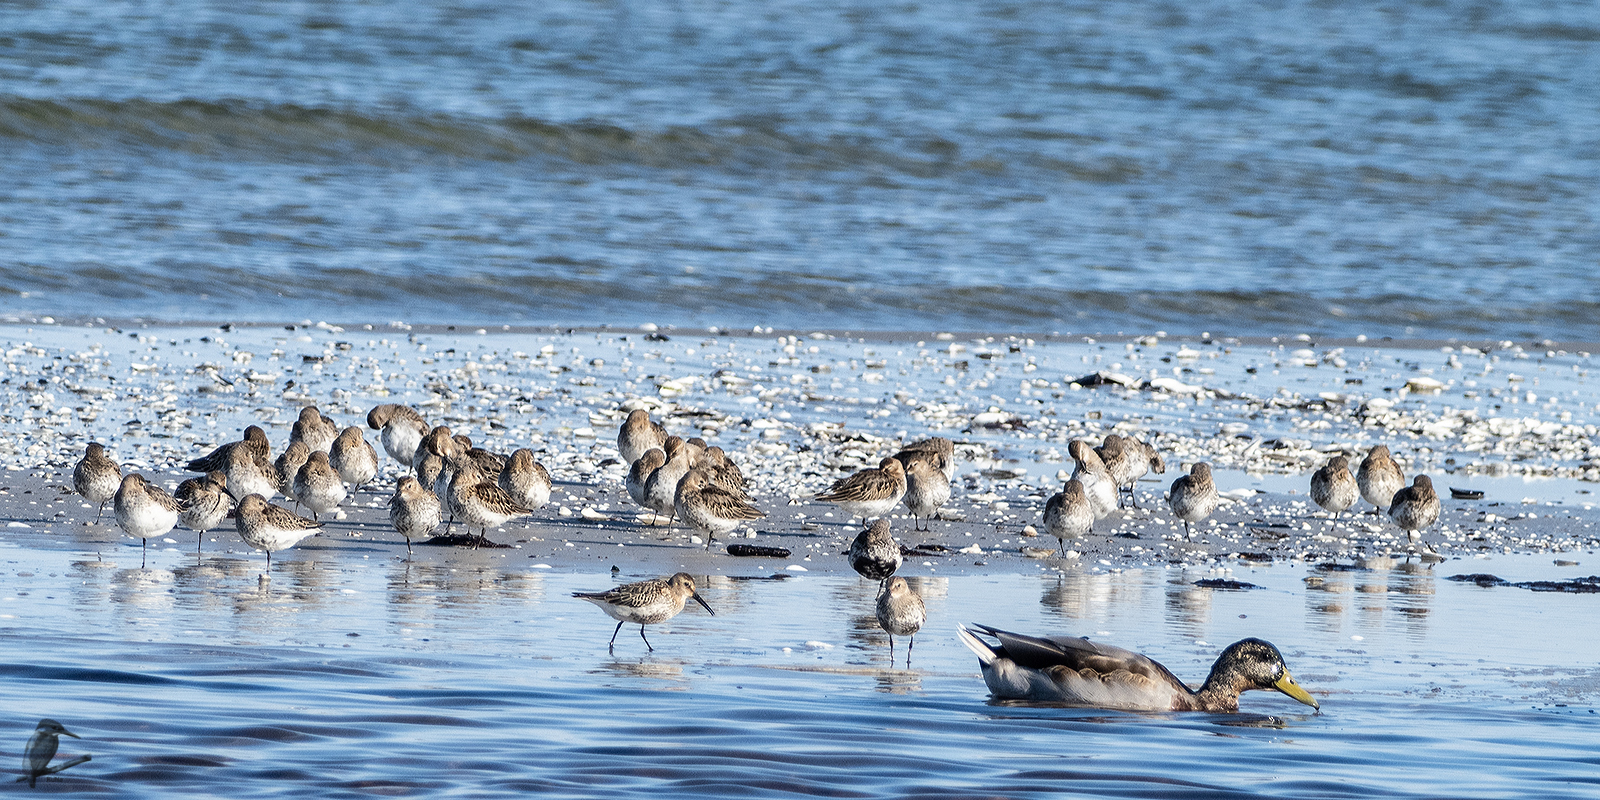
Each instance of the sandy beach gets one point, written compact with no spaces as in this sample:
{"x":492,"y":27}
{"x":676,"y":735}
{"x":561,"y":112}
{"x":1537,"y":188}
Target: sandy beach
{"x":799,"y":410}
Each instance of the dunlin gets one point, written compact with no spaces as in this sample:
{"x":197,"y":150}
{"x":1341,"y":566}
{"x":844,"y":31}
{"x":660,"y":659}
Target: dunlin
{"x":288,"y":465}
{"x":869,"y":493}
{"x":711,"y":509}
{"x":255,"y":440}
{"x":645,"y":603}
{"x":479,"y":502}
{"x":491,"y":464}
{"x":927,"y":488}
{"x":42,"y":747}
{"x":901,"y":613}
{"x":413,"y":510}
{"x":638,"y":435}
{"x":143,"y":509}
{"x":1118,"y":462}
{"x":526,"y":480}
{"x":942,"y":447}
{"x":1333,"y":487}
{"x":317,"y":485}
{"x":1379,"y":477}
{"x":402,"y":430}
{"x":271,"y":528}
{"x":315,"y":429}
{"x":96,"y":477}
{"x":203,"y":504}
{"x":353,"y":458}
{"x":725,"y":473}
{"x":1078,"y":672}
{"x":874,"y":554}
{"x":661,"y":488}
{"x":1144,"y":459}
{"x":1068,"y":514}
{"x":639,"y":477}
{"x":1098,"y":485}
{"x":1415,"y":508}
{"x":1193,"y":496}
{"x":246,"y":475}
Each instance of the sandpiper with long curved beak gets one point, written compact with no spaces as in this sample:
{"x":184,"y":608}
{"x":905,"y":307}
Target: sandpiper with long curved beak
{"x":646,"y":602}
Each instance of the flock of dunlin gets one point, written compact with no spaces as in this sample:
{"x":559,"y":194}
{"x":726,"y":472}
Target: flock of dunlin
{"x":449,"y":480}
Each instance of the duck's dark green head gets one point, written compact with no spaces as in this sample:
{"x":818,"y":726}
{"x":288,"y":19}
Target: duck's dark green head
{"x":1257,"y":664}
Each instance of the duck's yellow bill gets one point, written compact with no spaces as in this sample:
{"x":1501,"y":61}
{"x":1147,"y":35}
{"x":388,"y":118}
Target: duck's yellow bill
{"x":1287,"y":685}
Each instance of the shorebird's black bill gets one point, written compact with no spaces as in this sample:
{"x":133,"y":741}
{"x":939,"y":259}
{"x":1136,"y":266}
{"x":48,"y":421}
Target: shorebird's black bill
{"x":702,"y":602}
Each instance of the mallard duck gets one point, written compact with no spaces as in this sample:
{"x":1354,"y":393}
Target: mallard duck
{"x":1069,"y":669}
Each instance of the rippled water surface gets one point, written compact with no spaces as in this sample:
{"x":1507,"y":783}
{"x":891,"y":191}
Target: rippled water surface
{"x":1397,"y":169}
{"x":354,"y":673}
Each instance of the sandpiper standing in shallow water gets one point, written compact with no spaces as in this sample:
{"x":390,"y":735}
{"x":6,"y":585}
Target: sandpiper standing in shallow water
{"x":1379,"y":478}
{"x":402,"y":429}
{"x":1098,"y":485}
{"x":645,"y":603}
{"x":270,"y":528}
{"x":317,"y":486}
{"x":1334,"y":488}
{"x":901,"y":613}
{"x":710,"y":508}
{"x":1415,"y":508}
{"x":96,"y":477}
{"x":413,"y":510}
{"x":204,"y":503}
{"x":1193,"y":496}
{"x":353,"y":458}
{"x":144,"y":510}
{"x":638,"y":435}
{"x":1068,"y":514}
{"x":526,"y":480}
{"x":874,"y":554}
{"x":870,"y":493}
{"x":927,"y":488}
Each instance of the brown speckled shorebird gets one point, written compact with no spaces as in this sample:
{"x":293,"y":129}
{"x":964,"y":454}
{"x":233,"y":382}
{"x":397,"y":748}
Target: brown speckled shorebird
{"x":1068,"y":514}
{"x":645,"y":603}
{"x":353,"y":458}
{"x":1379,"y":478}
{"x":1193,"y":496}
{"x":203,"y":504}
{"x":317,"y":485}
{"x":247,"y":475}
{"x":1415,"y":508}
{"x":288,"y":465}
{"x":401,"y":429}
{"x":639,"y":478}
{"x":143,"y":510}
{"x":479,"y":502}
{"x":870,"y":493}
{"x":901,"y":613}
{"x":638,"y":435}
{"x":927,"y":488}
{"x":1118,"y":461}
{"x":711,"y":509}
{"x":1334,"y":488}
{"x":943,"y":449}
{"x":96,"y":477}
{"x":1098,"y":485}
{"x":314,"y":428}
{"x":255,"y":440}
{"x":661,"y":487}
{"x":526,"y":480}
{"x":271,"y":528}
{"x":413,"y":510}
{"x":874,"y":554}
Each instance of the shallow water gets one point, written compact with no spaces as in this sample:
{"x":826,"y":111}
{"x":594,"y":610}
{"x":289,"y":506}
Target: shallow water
{"x":1021,"y":166}
{"x":355,"y":676}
